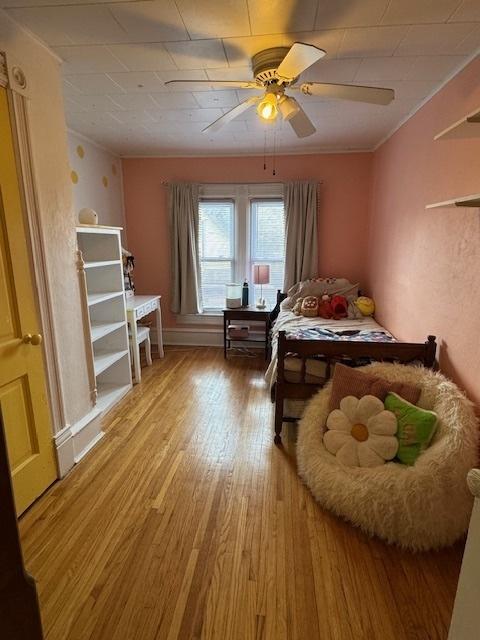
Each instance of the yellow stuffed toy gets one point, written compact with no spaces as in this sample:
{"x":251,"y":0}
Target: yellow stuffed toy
{"x":365,"y":305}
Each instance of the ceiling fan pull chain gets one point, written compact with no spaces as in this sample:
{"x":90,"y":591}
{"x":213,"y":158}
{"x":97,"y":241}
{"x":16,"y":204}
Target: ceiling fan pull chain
{"x":274,"y":151}
{"x":265,"y":150}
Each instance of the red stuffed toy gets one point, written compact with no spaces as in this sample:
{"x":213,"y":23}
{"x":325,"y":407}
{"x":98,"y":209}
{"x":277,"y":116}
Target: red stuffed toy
{"x":339,"y":305}
{"x":325,"y":307}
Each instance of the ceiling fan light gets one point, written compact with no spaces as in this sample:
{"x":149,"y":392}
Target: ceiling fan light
{"x":267,"y":108}
{"x":289,"y":107}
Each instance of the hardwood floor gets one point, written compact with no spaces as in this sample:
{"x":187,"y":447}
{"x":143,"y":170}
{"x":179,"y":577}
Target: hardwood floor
{"x":187,"y":522}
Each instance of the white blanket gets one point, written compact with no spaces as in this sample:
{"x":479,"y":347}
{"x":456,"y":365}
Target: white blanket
{"x":289,"y":322}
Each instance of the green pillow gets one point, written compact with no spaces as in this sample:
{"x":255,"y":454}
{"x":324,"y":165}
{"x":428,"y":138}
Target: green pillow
{"x":416,"y":427}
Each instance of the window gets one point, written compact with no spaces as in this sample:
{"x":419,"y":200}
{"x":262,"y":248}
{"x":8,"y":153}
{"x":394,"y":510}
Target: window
{"x":267,"y":242}
{"x":240,"y":227}
{"x":216,"y":240}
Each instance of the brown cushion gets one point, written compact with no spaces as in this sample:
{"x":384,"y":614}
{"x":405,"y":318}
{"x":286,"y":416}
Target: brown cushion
{"x":348,"y":381}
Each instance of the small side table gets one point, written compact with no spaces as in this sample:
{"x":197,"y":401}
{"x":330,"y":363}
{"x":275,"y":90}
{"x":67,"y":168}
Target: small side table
{"x":243,"y":314}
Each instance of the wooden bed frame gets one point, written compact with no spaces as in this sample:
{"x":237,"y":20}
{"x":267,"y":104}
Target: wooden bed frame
{"x":331,"y":351}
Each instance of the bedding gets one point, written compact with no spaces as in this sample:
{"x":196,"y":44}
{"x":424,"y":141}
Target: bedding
{"x":363,"y":329}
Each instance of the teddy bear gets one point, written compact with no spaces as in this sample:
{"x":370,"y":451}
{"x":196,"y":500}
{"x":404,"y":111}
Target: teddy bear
{"x":297,"y":307}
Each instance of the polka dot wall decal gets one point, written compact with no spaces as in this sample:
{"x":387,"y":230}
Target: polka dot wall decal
{"x":105,"y":181}
{"x":114,"y":170}
{"x":74,"y":176}
{"x":80,"y":151}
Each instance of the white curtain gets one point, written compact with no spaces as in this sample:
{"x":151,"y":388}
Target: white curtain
{"x":184,"y":247}
{"x":301,"y":237}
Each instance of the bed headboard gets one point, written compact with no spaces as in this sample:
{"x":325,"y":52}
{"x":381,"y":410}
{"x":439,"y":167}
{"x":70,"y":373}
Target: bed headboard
{"x":276,"y":309}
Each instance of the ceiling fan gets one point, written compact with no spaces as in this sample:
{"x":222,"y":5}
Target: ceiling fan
{"x":276,"y":70}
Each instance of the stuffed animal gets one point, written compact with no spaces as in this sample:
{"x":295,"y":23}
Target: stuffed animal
{"x":310,"y":307}
{"x":339,"y":306}
{"x":297,"y":307}
{"x":325,"y":307}
{"x":365,"y":305}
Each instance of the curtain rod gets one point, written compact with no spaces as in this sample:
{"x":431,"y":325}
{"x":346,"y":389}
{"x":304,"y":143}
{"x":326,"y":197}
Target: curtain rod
{"x":166,"y":183}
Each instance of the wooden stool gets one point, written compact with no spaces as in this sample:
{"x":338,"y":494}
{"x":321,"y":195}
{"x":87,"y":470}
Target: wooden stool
{"x":143,"y":335}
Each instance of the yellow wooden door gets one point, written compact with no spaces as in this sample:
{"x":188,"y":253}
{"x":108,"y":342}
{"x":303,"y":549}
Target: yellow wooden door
{"x":23,"y":399}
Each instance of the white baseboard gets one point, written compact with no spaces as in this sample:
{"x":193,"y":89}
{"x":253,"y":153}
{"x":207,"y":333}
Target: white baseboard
{"x":73,"y":442}
{"x":197,"y":337}
{"x":63,"y":441}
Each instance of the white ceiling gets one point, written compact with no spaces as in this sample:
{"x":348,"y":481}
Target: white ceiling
{"x":117,"y":56}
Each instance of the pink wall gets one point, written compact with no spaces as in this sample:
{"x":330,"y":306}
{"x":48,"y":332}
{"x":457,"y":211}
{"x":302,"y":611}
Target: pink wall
{"x":343,"y":221}
{"x":424,"y":266}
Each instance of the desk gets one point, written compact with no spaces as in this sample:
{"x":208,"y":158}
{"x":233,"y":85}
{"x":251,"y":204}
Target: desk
{"x":138,"y":307}
{"x":242,"y":314}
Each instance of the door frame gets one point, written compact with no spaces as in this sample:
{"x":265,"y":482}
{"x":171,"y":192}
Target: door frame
{"x":13,"y":79}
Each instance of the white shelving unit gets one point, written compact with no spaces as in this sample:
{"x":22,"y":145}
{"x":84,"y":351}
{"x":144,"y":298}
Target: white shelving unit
{"x":100,"y":260}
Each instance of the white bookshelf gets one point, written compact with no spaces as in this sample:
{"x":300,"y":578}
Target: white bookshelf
{"x":100,"y":261}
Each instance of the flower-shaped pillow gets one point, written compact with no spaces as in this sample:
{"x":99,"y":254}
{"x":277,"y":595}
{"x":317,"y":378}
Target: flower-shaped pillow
{"x":361,"y":433}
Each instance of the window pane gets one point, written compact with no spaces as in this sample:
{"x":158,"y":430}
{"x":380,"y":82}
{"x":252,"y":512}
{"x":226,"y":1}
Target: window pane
{"x":268,"y":230}
{"x":267,"y":241}
{"x":215,"y":275}
{"x":216,"y":230}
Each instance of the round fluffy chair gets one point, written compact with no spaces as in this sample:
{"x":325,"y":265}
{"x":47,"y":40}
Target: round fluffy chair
{"x":425,"y":506}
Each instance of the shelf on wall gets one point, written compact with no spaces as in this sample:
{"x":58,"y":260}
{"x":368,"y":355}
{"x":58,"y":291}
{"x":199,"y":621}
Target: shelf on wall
{"x":102,"y":329}
{"x":104,"y":359}
{"x":473,"y":202}
{"x":100,"y":263}
{"x":95,"y":298}
{"x":110,"y":394}
{"x":97,"y":228}
{"x":467,"y":127}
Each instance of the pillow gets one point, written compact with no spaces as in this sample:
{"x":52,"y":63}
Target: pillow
{"x":319,"y":286}
{"x":348,"y":381}
{"x":416,"y":427}
{"x":361,"y":433}
{"x":354,"y":312}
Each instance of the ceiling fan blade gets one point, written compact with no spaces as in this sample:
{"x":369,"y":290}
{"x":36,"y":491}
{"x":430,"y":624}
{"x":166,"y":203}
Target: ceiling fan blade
{"x":232,"y":114}
{"x":373,"y":95}
{"x":301,"y":124}
{"x":221,"y":84}
{"x":300,"y":57}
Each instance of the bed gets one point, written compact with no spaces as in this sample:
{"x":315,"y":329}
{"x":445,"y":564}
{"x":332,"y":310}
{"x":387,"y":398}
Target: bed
{"x":304,"y":352}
